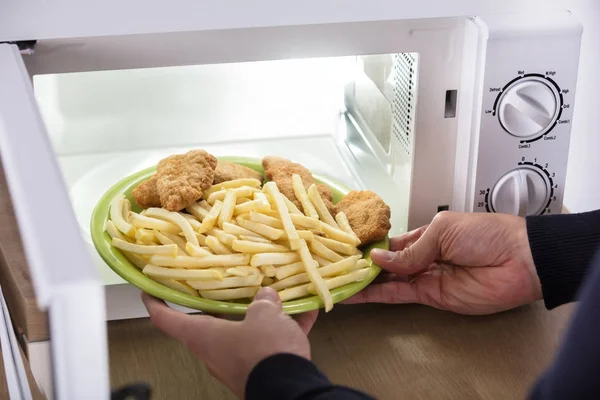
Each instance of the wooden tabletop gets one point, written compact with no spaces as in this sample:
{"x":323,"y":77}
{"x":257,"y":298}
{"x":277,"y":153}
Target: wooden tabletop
{"x":391,"y":352}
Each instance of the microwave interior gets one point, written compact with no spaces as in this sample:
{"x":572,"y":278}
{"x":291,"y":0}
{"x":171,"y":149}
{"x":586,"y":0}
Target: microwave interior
{"x":353,"y":118}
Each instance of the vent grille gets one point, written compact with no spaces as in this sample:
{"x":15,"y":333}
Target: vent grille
{"x":404,"y":101}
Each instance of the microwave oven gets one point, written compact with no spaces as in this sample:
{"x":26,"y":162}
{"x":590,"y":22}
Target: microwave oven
{"x":464,"y":113}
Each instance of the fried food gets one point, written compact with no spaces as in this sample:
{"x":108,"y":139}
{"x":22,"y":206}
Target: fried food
{"x":181,"y":179}
{"x":368,"y":214}
{"x":146,"y":194}
{"x":228,"y":171}
{"x":280,"y":170}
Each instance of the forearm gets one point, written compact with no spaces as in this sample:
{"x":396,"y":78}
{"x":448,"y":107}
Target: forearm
{"x":563,"y":247}
{"x":289,"y":377}
{"x":573,"y":374}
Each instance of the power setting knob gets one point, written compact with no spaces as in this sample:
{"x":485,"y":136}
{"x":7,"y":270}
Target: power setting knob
{"x":523,"y":191}
{"x":529,"y":107}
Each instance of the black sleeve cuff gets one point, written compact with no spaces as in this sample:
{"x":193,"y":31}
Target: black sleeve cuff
{"x":290,"y":377}
{"x":563,"y":247}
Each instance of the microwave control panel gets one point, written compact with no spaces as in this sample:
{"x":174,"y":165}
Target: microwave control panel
{"x":522,"y":146}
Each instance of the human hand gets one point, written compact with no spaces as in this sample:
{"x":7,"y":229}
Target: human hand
{"x":231,"y":349}
{"x":469,"y":263}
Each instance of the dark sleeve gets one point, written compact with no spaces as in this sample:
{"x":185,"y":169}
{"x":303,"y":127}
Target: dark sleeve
{"x":563,"y":247}
{"x":574,"y":372}
{"x":290,"y":377}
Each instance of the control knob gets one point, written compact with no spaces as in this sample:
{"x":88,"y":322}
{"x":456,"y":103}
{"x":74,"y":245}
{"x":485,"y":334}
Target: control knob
{"x":529,"y":107}
{"x":523,"y":191}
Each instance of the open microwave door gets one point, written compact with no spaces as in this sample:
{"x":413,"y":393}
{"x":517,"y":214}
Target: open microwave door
{"x":65,"y":281}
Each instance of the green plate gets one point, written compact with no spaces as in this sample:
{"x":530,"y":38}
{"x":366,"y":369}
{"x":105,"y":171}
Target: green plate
{"x":118,"y":263}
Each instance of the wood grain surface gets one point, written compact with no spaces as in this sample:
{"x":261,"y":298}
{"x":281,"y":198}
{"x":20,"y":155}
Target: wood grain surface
{"x":391,"y":352}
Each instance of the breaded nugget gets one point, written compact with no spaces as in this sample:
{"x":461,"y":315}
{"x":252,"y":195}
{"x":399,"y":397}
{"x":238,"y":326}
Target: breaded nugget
{"x":368,"y":215}
{"x":182,"y":178}
{"x":228,"y":171}
{"x":146,"y":194}
{"x":280,"y":170}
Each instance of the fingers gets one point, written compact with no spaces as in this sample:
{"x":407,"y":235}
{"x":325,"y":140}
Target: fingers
{"x":174,"y":323}
{"x":413,"y":259}
{"x":266,"y":302}
{"x":388,"y":293}
{"x":307,"y":320}
{"x":402,"y":241}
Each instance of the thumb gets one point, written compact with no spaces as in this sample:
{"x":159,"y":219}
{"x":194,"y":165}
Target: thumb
{"x":266,"y":302}
{"x":412,"y":259}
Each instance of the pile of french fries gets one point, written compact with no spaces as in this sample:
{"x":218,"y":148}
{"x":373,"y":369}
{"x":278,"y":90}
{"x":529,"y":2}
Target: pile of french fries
{"x":240,"y":236}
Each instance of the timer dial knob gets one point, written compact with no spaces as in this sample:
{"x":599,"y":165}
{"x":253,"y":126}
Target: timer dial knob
{"x":523,"y":191}
{"x":529,"y":107}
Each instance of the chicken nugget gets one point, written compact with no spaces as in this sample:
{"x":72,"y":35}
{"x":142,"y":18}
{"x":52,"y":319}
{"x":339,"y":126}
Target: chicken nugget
{"x":280,"y":171}
{"x":146,"y":194}
{"x":228,"y":171}
{"x":368,"y":215}
{"x":182,"y":178}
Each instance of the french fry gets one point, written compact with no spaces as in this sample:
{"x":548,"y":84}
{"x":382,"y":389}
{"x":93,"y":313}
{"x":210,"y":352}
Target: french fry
{"x":257,"y":239}
{"x":294,"y":292}
{"x":228,"y":207}
{"x":211,"y":218}
{"x":291,"y":207}
{"x":302,"y":196}
{"x":284,"y":215}
{"x":233,"y":184}
{"x":181,"y":274}
{"x":251,"y":205}
{"x":165,"y":250}
{"x":303,"y":234}
{"x":179,"y":286}
{"x":196,"y":251}
{"x":267,"y":281}
{"x":261,"y":196}
{"x":339,"y":235}
{"x":204,"y":204}
{"x":321,"y":250}
{"x":273,"y":259}
{"x":244,"y":191}
{"x":143,"y":221}
{"x":242,"y":200}
{"x":342,"y":220}
{"x":216,"y":246}
{"x":316,"y":279}
{"x":243,"y":246}
{"x":227,"y":283}
{"x":261,"y":229}
{"x":285,"y":271}
{"x":268,"y":270}
{"x":243,"y":271}
{"x":218,"y":260}
{"x":317,"y":201}
{"x":170,"y":238}
{"x":197,"y":211}
{"x":201,"y":237}
{"x":336,"y":282}
{"x":224,"y":237}
{"x":191,"y":219}
{"x":266,"y":220}
{"x":347,"y":264}
{"x":230,"y":294}
{"x":322,"y":262}
{"x":233,"y":229}
{"x":339,"y":247}
{"x":305,"y":222}
{"x":145,"y":236}
{"x":177,"y":219}
{"x":137,"y":260}
{"x":116,"y":216}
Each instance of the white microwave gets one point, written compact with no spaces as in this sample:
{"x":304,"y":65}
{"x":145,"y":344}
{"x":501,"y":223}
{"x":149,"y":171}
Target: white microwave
{"x":459,"y":113}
